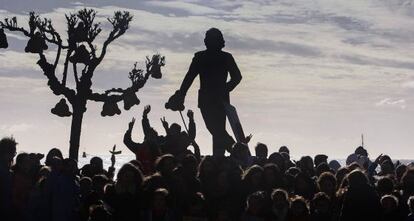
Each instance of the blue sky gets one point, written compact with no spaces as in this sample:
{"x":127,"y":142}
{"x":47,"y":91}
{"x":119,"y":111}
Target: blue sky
{"x":316,"y":73}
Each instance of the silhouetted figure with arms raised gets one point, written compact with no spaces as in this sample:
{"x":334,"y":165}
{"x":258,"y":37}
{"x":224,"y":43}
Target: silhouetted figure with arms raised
{"x":147,"y":151}
{"x":213,"y":65}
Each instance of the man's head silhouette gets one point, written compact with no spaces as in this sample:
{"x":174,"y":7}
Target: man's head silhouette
{"x":214,"y":39}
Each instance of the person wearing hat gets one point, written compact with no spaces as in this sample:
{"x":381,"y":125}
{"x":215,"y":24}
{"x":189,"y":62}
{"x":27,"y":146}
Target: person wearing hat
{"x":213,"y":65}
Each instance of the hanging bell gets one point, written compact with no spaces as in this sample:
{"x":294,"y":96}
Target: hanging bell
{"x":81,"y":55}
{"x":80,"y":33}
{"x":110,"y":108}
{"x":36,"y":44}
{"x":61,"y":109}
{"x":130,"y":99}
{"x":155,"y":71}
{"x":3,"y":39}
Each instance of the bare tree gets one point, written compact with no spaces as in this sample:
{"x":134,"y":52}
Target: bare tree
{"x":84,"y":56}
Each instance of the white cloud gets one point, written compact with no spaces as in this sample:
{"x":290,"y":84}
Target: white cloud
{"x":16,"y":128}
{"x":401,"y":103}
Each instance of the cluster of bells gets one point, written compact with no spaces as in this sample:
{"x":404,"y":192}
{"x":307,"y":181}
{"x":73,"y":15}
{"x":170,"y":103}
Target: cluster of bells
{"x":110,"y":107}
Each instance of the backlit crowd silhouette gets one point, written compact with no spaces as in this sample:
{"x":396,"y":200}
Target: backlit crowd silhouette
{"x":169,"y":180}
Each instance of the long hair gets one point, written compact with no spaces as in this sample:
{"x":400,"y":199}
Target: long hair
{"x":214,"y":39}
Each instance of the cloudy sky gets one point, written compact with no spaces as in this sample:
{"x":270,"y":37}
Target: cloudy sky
{"x":317,"y":73}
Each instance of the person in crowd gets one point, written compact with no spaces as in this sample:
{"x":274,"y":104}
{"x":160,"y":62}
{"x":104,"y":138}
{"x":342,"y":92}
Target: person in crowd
{"x":360,"y":201}
{"x":321,"y":207}
{"x":7,"y":153}
{"x":147,"y":151}
{"x":299,"y":209}
{"x":390,"y":209}
{"x":260,"y":157}
{"x":176,"y":141}
{"x":255,"y":205}
{"x":280,"y":205}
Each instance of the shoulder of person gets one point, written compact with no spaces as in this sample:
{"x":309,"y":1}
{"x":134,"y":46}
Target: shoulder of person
{"x":199,"y":53}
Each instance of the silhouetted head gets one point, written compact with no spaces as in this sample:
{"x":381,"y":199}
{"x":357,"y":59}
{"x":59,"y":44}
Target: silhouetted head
{"x":7,"y":151}
{"x":174,"y":129}
{"x":389,"y":203}
{"x":22,"y":164}
{"x":96,"y":165}
{"x":165,"y":164}
{"x":327,"y":183}
{"x":284,"y":149}
{"x":280,"y":199}
{"x":334,"y":165}
{"x":357,"y":178}
{"x":385,"y":185}
{"x":261,"y":150}
{"x":321,"y":203}
{"x":255,"y":203}
{"x":361,"y":151}
{"x":272,"y":176}
{"x":323,"y":167}
{"x":320,"y":158}
{"x":299,"y":207}
{"x":400,"y":170}
{"x":407,"y":180}
{"x":387,"y":167}
{"x":130,"y":174}
{"x":70,"y":167}
{"x":253,"y":176}
{"x":214,"y":39}
{"x":54,"y":152}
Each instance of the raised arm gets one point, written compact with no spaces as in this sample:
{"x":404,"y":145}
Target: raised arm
{"x":132,"y":146}
{"x":146,"y":127}
{"x":235,"y":74}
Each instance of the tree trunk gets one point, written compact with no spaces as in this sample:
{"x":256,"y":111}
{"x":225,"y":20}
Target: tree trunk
{"x":75,"y":132}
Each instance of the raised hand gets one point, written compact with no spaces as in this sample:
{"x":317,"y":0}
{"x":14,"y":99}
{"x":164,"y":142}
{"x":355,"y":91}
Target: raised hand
{"x":147,"y":109}
{"x":164,"y":123}
{"x":190,"y":114}
{"x":131,"y":124}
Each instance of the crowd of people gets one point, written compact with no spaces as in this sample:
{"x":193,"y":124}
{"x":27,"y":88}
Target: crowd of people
{"x":169,"y":181}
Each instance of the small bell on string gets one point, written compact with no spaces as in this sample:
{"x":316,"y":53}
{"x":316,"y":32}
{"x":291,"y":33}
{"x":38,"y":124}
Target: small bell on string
{"x":61,"y":109}
{"x":80,"y":33}
{"x":156,"y":71}
{"x":3,"y":39}
{"x":130,"y":99}
{"x":110,"y":108}
{"x":81,"y":55}
{"x":36,"y":44}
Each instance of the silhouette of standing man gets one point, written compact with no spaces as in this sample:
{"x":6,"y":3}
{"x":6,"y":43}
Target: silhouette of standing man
{"x":213,"y":65}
